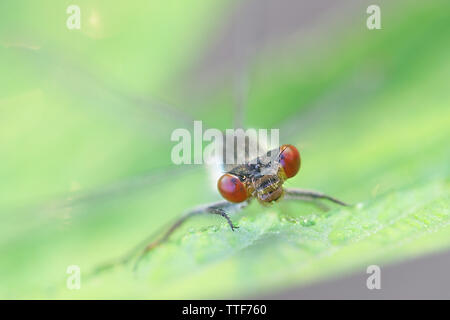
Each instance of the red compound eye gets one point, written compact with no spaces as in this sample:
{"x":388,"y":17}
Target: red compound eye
{"x":231,"y":188}
{"x":290,"y":160}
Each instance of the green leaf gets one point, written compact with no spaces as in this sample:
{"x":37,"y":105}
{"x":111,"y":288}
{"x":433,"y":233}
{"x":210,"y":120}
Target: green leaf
{"x":86,"y":173}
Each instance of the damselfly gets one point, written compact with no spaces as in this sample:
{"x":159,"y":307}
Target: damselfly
{"x":260,"y":178}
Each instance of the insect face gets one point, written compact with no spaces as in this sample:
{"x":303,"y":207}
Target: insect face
{"x":261,"y":178}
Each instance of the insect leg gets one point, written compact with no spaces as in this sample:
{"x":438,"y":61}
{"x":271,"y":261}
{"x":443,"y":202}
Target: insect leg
{"x":302,"y":194}
{"x":153,"y":241}
{"x":315,"y":202}
{"x":216,"y":208}
{"x":222,"y":212}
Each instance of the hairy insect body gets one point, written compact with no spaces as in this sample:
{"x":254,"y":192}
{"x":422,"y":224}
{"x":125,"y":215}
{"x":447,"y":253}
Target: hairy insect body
{"x":263,"y":178}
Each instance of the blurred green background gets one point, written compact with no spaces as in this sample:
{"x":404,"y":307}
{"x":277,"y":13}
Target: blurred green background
{"x":86,"y":117}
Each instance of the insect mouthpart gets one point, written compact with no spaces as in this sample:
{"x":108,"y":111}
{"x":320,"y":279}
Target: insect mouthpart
{"x":268,"y":188}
